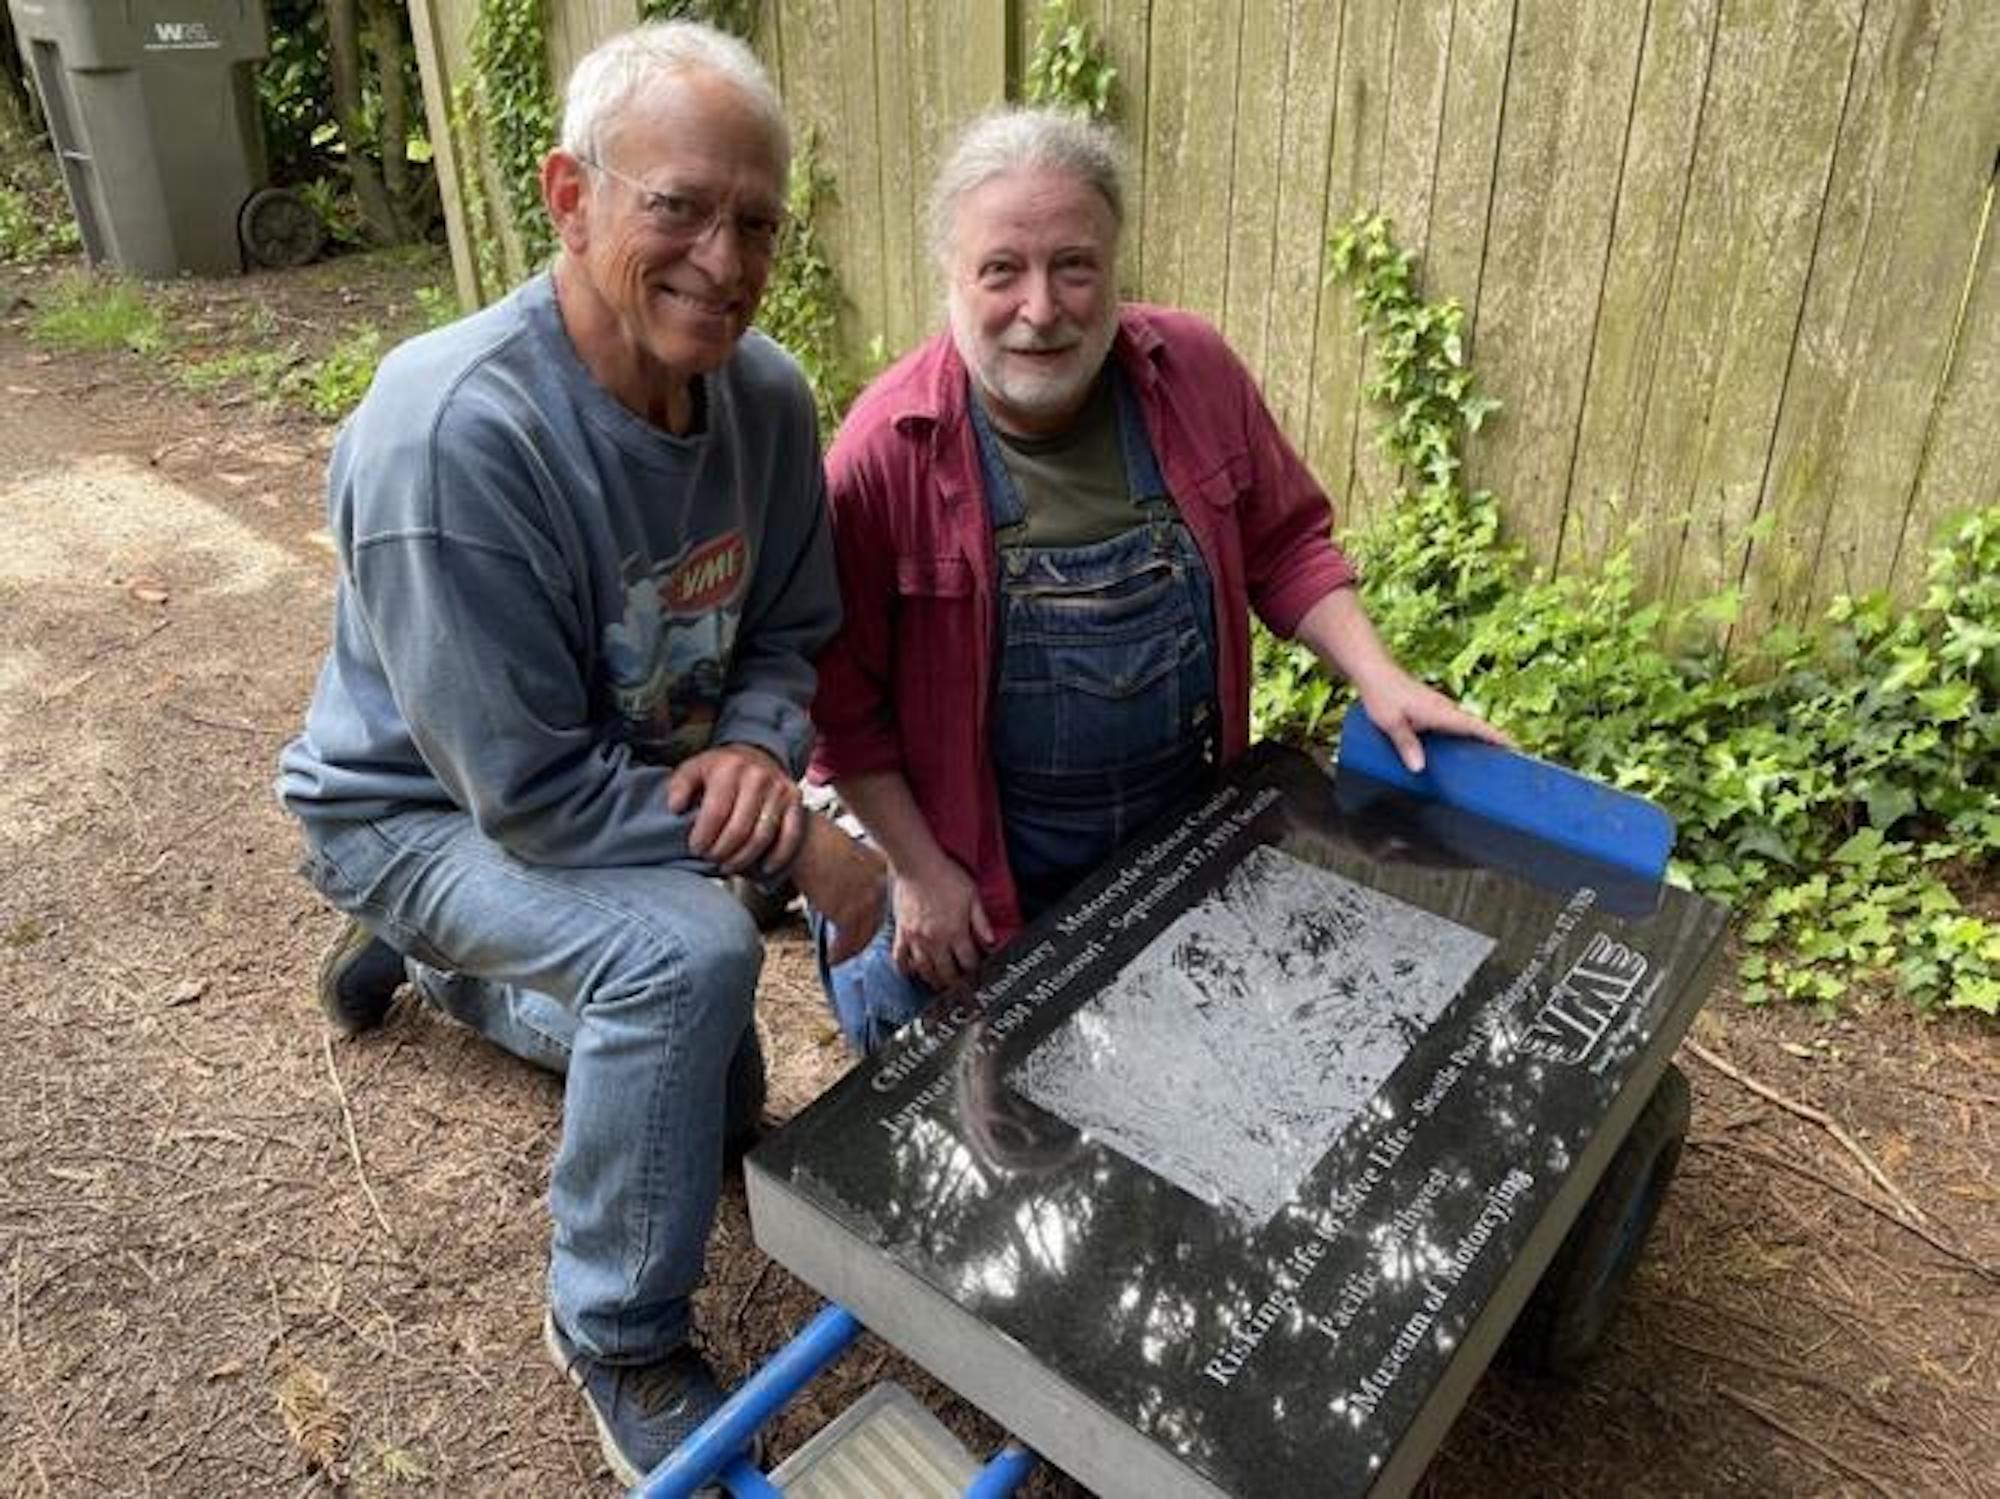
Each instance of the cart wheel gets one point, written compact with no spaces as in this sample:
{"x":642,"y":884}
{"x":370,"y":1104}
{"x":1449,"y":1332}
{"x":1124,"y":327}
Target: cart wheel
{"x":279,"y":230}
{"x":1565,"y":1318}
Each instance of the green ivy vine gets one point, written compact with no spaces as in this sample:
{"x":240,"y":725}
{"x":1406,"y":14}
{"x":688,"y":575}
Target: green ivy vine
{"x":1836,"y":790}
{"x":1068,"y":66}
{"x":516,"y":110}
{"x":801,"y":306}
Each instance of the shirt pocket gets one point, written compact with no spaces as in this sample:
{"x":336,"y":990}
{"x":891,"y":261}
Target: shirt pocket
{"x":935,"y":628}
{"x":1222,"y":484}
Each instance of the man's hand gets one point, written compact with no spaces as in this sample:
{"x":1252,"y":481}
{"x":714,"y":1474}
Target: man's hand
{"x":843,"y":878}
{"x":1402,"y":707}
{"x":942,"y":930}
{"x":751,"y":817}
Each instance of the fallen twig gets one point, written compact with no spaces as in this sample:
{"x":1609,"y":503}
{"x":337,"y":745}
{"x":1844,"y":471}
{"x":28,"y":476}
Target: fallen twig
{"x":1776,"y":1423}
{"x":1772,"y":1158}
{"x":1794,"y":1375}
{"x":223,"y":723}
{"x":353,"y":1141}
{"x":749,"y":1295}
{"x":1816,"y":1116}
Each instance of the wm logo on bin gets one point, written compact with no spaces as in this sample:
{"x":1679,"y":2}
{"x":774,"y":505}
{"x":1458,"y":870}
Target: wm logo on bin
{"x":174,"y":35}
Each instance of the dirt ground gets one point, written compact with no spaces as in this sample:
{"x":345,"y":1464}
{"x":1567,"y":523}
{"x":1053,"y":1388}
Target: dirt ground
{"x":240,"y":1257}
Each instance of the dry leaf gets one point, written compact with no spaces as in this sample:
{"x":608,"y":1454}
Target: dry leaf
{"x":1797,"y":1050}
{"x":186,"y":992}
{"x":313,"y":1420}
{"x":228,"y":1370}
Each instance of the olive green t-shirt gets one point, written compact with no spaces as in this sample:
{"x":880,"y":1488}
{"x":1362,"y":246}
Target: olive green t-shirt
{"x":1073,"y":483}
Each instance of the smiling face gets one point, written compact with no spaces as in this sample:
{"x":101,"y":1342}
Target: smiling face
{"x":1032,"y":303}
{"x":649,"y":302}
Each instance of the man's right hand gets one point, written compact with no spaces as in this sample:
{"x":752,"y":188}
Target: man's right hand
{"x":942,"y":930}
{"x":844,"y":880}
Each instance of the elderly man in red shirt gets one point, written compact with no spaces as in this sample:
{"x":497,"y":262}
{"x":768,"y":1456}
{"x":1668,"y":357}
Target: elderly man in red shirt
{"x":1051,"y":523}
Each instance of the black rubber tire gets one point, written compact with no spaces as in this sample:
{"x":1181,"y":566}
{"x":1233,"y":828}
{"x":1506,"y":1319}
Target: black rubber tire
{"x":279,"y":230}
{"x":1566,"y":1317}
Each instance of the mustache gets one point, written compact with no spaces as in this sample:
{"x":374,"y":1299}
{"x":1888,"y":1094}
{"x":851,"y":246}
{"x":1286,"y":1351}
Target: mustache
{"x":1055,"y":342}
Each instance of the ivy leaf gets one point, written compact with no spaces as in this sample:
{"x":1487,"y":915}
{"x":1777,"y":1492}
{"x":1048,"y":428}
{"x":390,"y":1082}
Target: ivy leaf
{"x":1887,"y":804}
{"x":1762,"y":838}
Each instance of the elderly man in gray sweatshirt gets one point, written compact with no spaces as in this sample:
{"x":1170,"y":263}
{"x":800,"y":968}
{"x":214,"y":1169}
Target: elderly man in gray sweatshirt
{"x":584,"y":572}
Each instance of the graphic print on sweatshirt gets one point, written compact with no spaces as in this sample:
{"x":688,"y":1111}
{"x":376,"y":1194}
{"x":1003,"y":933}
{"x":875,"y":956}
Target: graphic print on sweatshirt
{"x":669,"y":656}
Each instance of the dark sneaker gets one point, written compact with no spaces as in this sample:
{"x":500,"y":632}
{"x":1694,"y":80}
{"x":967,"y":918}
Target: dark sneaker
{"x":358,"y":978}
{"x":643,"y":1411}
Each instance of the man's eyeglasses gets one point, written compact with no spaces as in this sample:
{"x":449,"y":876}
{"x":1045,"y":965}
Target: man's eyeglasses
{"x":690,"y":216}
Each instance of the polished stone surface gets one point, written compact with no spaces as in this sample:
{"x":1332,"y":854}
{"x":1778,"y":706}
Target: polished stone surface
{"x":1230,"y":1171}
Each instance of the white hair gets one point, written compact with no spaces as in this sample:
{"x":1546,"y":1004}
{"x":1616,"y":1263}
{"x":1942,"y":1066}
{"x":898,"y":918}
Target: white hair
{"x":610,"y":74}
{"x":1012,"y":140}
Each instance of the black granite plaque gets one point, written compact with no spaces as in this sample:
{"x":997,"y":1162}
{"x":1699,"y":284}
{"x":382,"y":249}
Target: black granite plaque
{"x":1228,"y":1175}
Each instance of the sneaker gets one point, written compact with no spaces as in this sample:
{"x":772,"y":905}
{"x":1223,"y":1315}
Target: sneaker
{"x":358,"y":978}
{"x":643,"y":1411}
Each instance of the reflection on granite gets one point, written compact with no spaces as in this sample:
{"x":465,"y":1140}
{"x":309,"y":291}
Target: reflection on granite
{"x":1207,"y":1181}
{"x":1234,"y":1049}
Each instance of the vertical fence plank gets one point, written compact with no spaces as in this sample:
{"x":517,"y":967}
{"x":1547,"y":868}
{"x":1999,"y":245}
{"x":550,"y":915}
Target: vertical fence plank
{"x":1961,"y":467}
{"x":1482,"y":34}
{"x":1336,"y":416}
{"x":1569,"y":98}
{"x":1416,"y":116}
{"x":958,"y":61}
{"x":1879,"y":519}
{"x":427,"y":30}
{"x":1777,"y":84}
{"x":1410,"y":133}
{"x":1254,"y":179}
{"x":1300,"y":225}
{"x":1126,"y":27}
{"x":1190,"y":131}
{"x":1860,"y":285}
{"x":901,"y":28}
{"x":829,"y":70}
{"x":1625,"y":355}
{"x":578,"y":25}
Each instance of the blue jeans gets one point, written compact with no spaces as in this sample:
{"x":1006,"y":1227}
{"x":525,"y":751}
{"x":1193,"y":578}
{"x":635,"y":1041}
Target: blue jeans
{"x":637,"y":985}
{"x":872,"y":998}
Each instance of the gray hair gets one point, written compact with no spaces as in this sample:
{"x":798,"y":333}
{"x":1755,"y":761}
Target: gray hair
{"x":1012,"y":140}
{"x":610,"y":74}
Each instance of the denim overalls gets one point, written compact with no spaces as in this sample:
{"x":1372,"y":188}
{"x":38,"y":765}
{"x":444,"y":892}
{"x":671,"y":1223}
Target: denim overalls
{"x":1103,"y":709}
{"x":1104,"y":702}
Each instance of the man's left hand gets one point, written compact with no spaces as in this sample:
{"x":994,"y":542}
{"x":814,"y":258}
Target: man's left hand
{"x":751,"y":819}
{"x":1402,"y":708}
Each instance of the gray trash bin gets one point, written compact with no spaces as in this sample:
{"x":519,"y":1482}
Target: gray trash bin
{"x":152,"y":106}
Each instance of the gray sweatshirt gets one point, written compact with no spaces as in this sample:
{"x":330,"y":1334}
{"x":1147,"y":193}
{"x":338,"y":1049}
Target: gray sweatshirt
{"x":545,"y":602}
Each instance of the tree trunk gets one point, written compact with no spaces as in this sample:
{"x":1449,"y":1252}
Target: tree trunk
{"x":385,"y":28}
{"x":344,"y":55}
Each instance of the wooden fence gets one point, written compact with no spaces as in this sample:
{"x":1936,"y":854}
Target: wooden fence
{"x":1730,"y":264}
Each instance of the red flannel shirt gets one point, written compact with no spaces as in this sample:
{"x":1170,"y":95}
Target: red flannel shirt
{"x":907,"y":683}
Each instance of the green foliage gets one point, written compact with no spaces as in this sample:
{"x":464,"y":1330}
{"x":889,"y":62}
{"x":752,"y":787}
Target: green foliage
{"x":514,"y":110}
{"x":98,"y":313}
{"x":303,"y":143}
{"x":333,"y":384}
{"x":801,"y":306}
{"x":35,"y":224}
{"x":1068,"y":67}
{"x":1825,"y":788}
